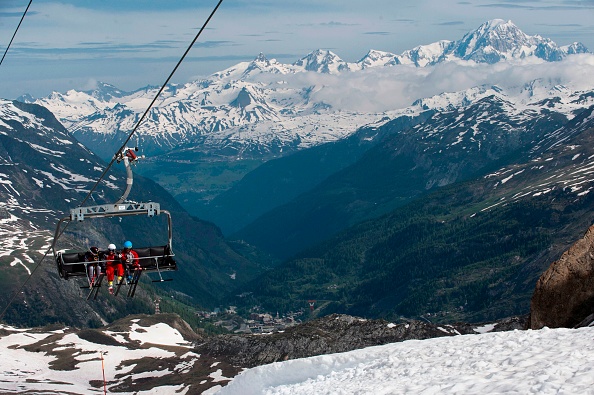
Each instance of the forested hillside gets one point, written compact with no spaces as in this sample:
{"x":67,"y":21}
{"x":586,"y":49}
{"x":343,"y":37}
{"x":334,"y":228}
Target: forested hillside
{"x":470,"y":251}
{"x":450,"y":146}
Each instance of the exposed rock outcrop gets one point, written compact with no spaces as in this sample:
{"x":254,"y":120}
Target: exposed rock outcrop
{"x":564,"y":294}
{"x":330,"y":334}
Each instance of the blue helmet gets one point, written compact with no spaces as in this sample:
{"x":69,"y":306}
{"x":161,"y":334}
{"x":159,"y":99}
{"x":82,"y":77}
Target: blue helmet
{"x":127,"y":244}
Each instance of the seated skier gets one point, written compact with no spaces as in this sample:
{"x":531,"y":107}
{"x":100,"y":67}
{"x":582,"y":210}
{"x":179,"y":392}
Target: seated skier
{"x":95,"y":268}
{"x":129,"y":259}
{"x":113,"y":266}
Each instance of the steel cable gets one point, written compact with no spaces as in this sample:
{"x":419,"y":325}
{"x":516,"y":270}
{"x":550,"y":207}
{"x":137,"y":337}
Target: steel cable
{"x":15,"y":32}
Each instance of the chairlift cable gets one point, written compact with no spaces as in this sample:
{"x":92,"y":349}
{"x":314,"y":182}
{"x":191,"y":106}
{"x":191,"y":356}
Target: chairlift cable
{"x":15,"y":32}
{"x":120,"y":150}
{"x":153,"y":101}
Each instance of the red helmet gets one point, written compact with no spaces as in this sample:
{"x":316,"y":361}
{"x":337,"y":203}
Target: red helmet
{"x":94,"y":250}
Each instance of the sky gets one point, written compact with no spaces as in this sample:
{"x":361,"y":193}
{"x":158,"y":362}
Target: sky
{"x":546,"y":361}
{"x":72,"y":44}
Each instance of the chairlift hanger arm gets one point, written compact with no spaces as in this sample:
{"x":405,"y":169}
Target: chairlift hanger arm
{"x":128,"y":156}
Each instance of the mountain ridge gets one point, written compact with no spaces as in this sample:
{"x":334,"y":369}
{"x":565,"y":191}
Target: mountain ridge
{"x":450,"y":146}
{"x":470,"y":251}
{"x":280,"y":115}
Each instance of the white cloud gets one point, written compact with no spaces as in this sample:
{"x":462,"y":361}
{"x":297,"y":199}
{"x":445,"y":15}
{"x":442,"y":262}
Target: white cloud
{"x":61,"y":45}
{"x":397,"y":87}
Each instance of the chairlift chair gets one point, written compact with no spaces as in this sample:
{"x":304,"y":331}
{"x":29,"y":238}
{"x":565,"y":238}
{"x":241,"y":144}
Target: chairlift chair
{"x":151,"y":259}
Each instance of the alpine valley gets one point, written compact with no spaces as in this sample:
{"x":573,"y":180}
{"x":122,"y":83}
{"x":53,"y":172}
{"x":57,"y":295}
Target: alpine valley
{"x":201,"y":138}
{"x":438,"y":183}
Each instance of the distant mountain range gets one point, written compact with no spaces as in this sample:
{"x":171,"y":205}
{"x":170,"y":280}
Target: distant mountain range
{"x":264,"y":108}
{"x":452,"y":204}
{"x":260,"y":110}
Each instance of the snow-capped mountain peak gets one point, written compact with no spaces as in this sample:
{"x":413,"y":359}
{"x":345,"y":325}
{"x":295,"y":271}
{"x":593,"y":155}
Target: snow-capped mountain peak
{"x":375,"y":58}
{"x":574,"y":48}
{"x":322,"y":61}
{"x":493,"y":36}
{"x":106,"y":92}
{"x":423,"y":55}
{"x":261,"y":64}
{"x":267,"y":107}
{"x":497,"y":40}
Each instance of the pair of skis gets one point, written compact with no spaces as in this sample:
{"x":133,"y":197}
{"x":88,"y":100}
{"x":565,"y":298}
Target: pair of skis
{"x":134,"y":282}
{"x":96,"y":284}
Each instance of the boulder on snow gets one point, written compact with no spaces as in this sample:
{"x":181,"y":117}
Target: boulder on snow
{"x":564,"y":294}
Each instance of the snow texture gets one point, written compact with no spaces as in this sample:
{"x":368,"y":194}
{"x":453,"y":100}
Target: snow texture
{"x":547,"y":361}
{"x":24,"y":371}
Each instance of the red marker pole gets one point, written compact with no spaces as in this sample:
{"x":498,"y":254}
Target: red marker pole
{"x":103,"y":369}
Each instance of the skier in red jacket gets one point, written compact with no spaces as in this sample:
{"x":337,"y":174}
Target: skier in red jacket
{"x":129,"y":259}
{"x":113,"y":266}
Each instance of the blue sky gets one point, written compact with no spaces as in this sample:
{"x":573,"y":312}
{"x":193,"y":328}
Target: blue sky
{"x":71,"y":44}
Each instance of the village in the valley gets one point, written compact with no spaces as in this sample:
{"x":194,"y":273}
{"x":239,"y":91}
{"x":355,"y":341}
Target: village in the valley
{"x":257,"y":322}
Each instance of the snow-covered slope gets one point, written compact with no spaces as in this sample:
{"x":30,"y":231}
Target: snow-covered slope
{"x":43,"y":169}
{"x":546,"y":361}
{"x":265,"y":108}
{"x":562,"y":161}
{"x":156,"y":354}
{"x":143,"y":355}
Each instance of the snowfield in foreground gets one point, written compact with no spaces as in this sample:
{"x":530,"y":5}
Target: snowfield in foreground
{"x":57,"y":362}
{"x":547,"y":361}
{"x":144,"y":357}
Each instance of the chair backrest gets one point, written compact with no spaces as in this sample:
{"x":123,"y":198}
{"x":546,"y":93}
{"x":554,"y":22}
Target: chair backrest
{"x":72,"y":264}
{"x":156,"y":258}
{"x":143,"y":252}
{"x":73,"y":257}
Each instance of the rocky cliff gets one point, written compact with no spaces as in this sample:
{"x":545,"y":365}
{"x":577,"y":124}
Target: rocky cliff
{"x":564,"y":294}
